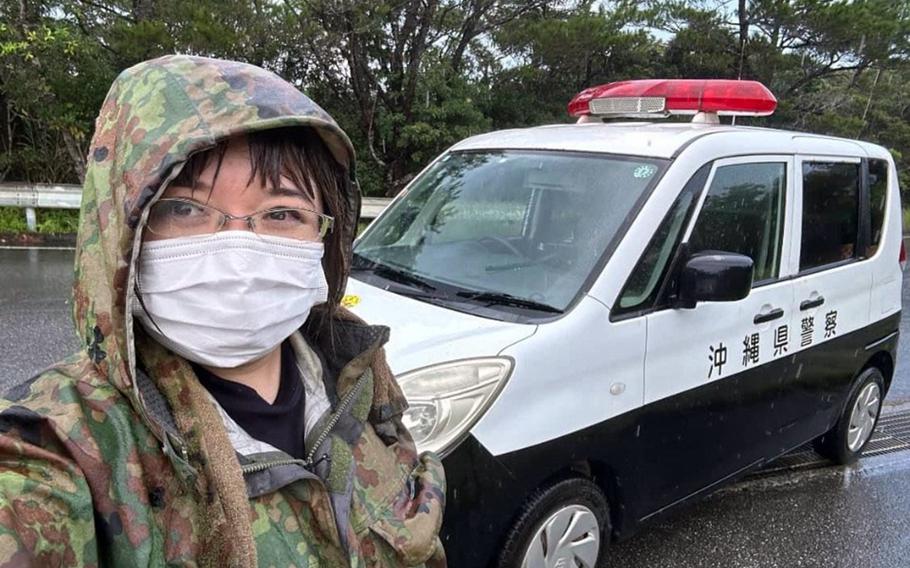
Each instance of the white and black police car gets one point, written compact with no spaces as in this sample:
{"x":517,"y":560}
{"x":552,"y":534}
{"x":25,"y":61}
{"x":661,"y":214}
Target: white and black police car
{"x":596,"y":322}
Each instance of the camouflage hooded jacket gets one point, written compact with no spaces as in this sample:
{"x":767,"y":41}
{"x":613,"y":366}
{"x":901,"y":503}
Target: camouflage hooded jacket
{"x":118,"y":456}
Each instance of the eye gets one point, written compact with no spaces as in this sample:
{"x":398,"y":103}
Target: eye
{"x":279,"y":215}
{"x":184,"y":209}
{"x":177,"y":217}
{"x":289,"y":222}
{"x":292,"y":216}
{"x":178,"y":210}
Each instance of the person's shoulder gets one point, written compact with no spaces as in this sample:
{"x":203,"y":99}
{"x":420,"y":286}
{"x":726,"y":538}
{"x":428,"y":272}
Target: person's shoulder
{"x":62,"y":383}
{"x":51,"y":455}
{"x":56,"y":399}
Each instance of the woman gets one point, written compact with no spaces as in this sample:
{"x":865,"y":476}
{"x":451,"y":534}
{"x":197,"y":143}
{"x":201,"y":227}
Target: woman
{"x":225,"y":411}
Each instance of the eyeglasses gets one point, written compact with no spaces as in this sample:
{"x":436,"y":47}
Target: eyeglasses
{"x":176,"y":217}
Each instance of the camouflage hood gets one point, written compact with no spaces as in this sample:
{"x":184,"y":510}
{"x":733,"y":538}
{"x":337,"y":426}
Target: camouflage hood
{"x":155,"y":116}
{"x":118,"y":456}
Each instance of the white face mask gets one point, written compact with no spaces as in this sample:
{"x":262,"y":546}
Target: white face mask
{"x":227,"y":299}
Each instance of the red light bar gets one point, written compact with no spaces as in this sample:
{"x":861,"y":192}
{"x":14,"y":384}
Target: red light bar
{"x":675,"y":96}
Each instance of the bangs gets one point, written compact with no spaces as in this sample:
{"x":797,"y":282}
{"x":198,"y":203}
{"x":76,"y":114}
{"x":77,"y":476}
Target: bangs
{"x":295,"y":153}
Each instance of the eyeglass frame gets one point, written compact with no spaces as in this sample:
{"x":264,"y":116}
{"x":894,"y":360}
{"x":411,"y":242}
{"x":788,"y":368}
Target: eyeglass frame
{"x":328,"y":225}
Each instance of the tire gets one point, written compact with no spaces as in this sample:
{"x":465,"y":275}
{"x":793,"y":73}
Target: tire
{"x":844,"y":443}
{"x":574,"y":502}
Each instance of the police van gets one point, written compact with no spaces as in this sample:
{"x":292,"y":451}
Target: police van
{"x":596,"y":322}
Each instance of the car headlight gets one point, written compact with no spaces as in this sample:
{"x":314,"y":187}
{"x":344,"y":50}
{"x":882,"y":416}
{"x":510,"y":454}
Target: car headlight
{"x":446,"y":400}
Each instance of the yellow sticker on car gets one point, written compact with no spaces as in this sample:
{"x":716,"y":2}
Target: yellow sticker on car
{"x":350,"y":300}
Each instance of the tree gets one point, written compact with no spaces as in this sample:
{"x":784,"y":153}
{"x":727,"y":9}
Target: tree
{"x":50,"y":77}
{"x":407,"y":78}
{"x":556,"y":54}
{"x":392,"y":61}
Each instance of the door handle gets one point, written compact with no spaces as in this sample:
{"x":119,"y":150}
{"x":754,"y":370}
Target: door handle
{"x":809,"y":304}
{"x":770,"y":316}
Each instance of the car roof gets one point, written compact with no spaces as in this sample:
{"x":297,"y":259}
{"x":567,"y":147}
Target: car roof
{"x":651,"y":139}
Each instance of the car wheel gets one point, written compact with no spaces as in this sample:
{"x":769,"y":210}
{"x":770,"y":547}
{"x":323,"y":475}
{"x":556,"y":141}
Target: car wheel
{"x":564,"y":525}
{"x":845,"y":442}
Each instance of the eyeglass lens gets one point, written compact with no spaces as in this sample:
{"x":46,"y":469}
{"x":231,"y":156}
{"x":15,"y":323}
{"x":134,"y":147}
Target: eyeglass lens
{"x":171,"y":218}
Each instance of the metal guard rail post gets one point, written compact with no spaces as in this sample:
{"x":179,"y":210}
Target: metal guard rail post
{"x":69,"y":196}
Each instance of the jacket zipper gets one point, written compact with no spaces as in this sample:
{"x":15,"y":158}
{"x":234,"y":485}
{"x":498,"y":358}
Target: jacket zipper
{"x":262,"y":466}
{"x":341,"y":410}
{"x":309,"y":460}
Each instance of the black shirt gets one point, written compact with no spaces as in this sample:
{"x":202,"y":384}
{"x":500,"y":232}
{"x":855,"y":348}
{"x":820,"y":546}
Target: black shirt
{"x":280,"y":424}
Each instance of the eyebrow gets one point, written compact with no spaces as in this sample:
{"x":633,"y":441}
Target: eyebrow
{"x":289,"y":192}
{"x":277,"y":191}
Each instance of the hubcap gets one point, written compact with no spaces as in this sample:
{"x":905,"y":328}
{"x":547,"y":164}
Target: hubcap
{"x":862,"y":419}
{"x":569,"y":538}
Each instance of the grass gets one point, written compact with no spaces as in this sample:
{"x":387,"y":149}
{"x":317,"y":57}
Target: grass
{"x":12,"y":220}
{"x":906,"y":216}
{"x":49,"y":221}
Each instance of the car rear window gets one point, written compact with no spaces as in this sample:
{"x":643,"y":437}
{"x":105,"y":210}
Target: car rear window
{"x":830,"y":219}
{"x":878,"y":196}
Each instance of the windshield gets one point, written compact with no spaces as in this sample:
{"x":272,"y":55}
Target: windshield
{"x":507,"y":229}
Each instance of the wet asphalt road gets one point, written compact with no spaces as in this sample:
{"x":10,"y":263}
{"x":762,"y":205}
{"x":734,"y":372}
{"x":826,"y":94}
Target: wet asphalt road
{"x":831,"y":517}
{"x":36,"y":327}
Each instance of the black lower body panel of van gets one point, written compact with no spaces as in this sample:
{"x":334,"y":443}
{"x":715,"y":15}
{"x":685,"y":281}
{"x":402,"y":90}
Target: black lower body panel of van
{"x":666,"y":452}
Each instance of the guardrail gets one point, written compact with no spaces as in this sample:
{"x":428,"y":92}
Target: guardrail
{"x":38,"y":196}
{"x":373,"y":206}
{"x":68,"y":196}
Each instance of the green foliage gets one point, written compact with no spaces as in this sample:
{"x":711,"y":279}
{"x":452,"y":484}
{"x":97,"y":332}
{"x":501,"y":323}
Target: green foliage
{"x":703,"y":48}
{"x":57,"y":221}
{"x":561,"y":53}
{"x":406,"y":79}
{"x":445,"y":113}
{"x":12,"y":220}
{"x":49,"y":221}
{"x":52,"y":81}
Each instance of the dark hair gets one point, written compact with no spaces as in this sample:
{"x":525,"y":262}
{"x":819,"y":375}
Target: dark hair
{"x":299,"y":154}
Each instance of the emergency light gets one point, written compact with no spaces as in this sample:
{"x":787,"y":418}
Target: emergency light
{"x":664,"y":97}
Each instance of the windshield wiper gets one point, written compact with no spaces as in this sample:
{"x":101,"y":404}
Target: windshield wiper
{"x":497,"y":298}
{"x":396,"y":275}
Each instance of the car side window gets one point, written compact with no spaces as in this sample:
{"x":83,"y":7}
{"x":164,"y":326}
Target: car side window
{"x":744,"y":213}
{"x":878,"y":196}
{"x":643,"y":286}
{"x":830,"y":220}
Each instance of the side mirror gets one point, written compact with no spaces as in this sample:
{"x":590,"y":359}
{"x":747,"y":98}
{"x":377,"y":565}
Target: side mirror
{"x":714,"y":276}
